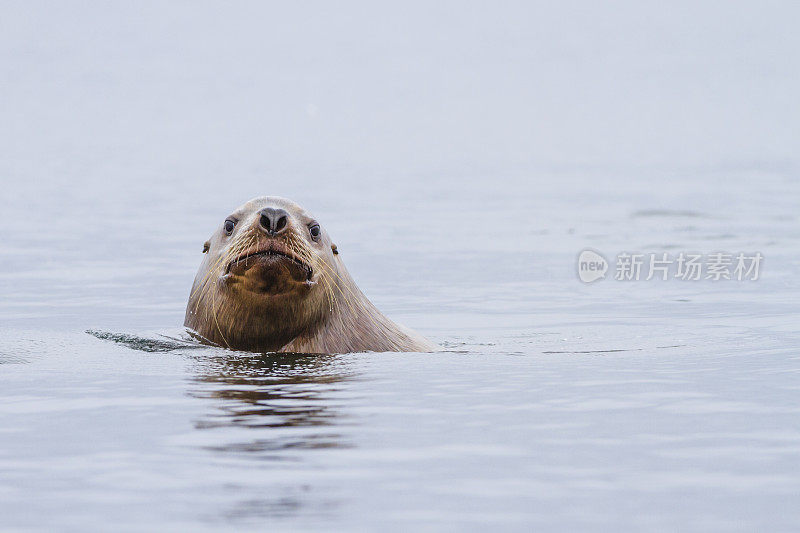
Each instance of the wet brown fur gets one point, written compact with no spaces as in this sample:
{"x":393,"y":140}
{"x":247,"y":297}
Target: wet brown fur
{"x":269,"y":308}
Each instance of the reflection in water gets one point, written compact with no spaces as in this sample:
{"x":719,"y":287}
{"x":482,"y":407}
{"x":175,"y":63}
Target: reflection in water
{"x":286,"y":399}
{"x":295,"y":501}
{"x":273,"y":407}
{"x":11,"y":359}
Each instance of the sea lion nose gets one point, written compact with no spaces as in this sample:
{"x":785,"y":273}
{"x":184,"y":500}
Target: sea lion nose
{"x":273,"y":220}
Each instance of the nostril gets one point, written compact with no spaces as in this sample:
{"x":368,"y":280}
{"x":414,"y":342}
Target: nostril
{"x":273,"y":220}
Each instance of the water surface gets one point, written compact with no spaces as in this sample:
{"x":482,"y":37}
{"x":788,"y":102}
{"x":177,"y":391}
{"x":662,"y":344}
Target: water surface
{"x":461,"y":157}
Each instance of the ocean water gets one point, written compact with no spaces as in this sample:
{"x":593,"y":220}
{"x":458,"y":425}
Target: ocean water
{"x":461,"y":156}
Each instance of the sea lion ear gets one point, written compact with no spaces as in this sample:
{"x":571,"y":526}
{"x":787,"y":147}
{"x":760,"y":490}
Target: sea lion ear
{"x":334,"y":249}
{"x":206,"y":246}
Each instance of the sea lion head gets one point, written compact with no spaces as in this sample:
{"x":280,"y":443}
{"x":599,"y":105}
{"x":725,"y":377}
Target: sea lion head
{"x":265,"y":277}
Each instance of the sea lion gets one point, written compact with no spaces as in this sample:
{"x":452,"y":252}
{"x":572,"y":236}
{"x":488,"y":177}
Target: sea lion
{"x":272,"y":281}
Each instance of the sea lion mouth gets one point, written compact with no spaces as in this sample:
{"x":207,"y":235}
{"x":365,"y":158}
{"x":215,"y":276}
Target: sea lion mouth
{"x":272,"y":254}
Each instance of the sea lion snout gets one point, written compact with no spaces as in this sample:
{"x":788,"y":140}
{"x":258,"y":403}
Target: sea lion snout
{"x":273,"y":220}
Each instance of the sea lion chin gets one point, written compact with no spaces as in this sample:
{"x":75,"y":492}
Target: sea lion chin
{"x":269,"y":268}
{"x":271,"y":280}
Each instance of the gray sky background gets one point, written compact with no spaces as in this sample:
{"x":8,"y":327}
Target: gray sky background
{"x":450,"y":88}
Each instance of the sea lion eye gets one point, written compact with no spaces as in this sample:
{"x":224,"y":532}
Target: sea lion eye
{"x":229,"y":225}
{"x":314,"y":230}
